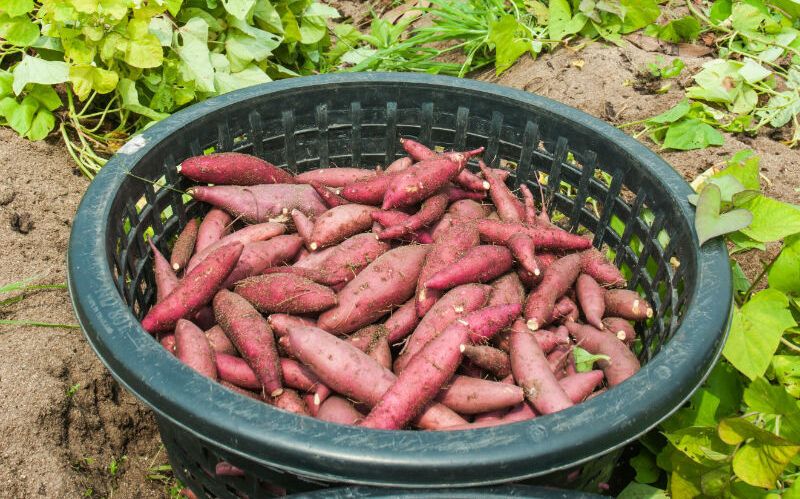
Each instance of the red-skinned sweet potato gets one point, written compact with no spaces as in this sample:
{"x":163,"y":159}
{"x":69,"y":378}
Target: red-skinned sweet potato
{"x":259,"y":203}
{"x":339,"y":223}
{"x":402,"y":321}
{"x":593,"y":263}
{"x":184,"y":246}
{"x":467,"y":395}
{"x":215,"y":225}
{"x":489,"y":358}
{"x":621,"y":328}
{"x":506,"y":203}
{"x":497,"y":232}
{"x":331,"y":198}
{"x":578,"y":386}
{"x":233,"y":168}
{"x":250,"y":234}
{"x":166,"y":280}
{"x":622,"y":364}
{"x":334,"y":177}
{"x":192,"y":348}
{"x":219,"y":341}
{"x":627,"y":304}
{"x":286,"y":294}
{"x":339,"y":410}
{"x":557,"y":279}
{"x":592,"y":300}
{"x":478,"y":264}
{"x":261,"y":255}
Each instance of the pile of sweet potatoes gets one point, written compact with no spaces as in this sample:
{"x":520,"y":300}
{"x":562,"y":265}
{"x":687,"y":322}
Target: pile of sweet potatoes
{"x":421,"y":295}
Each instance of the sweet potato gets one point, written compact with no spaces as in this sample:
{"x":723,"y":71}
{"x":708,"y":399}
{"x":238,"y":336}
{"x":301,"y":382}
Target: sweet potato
{"x":421,"y":180}
{"x":253,"y":338}
{"x":289,"y":400}
{"x":352,"y":373}
{"x":490,"y":416}
{"x":506,"y":203}
{"x":488,"y":321}
{"x":369,"y":191}
{"x":593,"y":263}
{"x":372,"y":341}
{"x":522,"y":247}
{"x":387,"y":218}
{"x":259,"y":203}
{"x":478,"y":264}
{"x":233,"y":168}
{"x":457,"y":194}
{"x":532,"y":372}
{"x":193,"y":291}
{"x":449,"y":247}
{"x":236,"y":371}
{"x":530,"y":206}
{"x":622,"y":364}
{"x":467,"y":395}
{"x":548,"y":339}
{"x":466,"y":209}
{"x":166,"y":280}
{"x":204,"y":318}
{"x":227,"y":469}
{"x":346,"y":260}
{"x":402,"y":321}
{"x":337,"y":224}
{"x":285,"y":293}
{"x":247,"y":393}
{"x":303,"y":225}
{"x":557,"y":279}
{"x":251,"y":234}
{"x":219,"y":341}
{"x":192,"y":348}
{"x":578,"y":386}
{"x":261,"y":255}
{"x":399,"y":165}
{"x":299,"y":377}
{"x":564,"y":309}
{"x":334,"y":177}
{"x":420,"y":381}
{"x":281,"y":323}
{"x":385,"y":283}
{"x":497,"y":232}
{"x":331,"y":198}
{"x":455,"y":303}
{"x":621,"y":328}
{"x":431,"y":210}
{"x":470,"y":181}
{"x":184,"y":246}
{"x":520,"y":412}
{"x":168,"y":342}
{"x":627,"y":304}
{"x":506,"y":289}
{"x":559,"y":358}
{"x":215,"y":225}
{"x":339,"y":410}
{"x":489,"y":358}
{"x":592,"y":300}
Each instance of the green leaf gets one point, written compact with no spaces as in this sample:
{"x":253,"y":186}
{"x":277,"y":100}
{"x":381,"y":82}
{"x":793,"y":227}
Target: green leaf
{"x":787,"y":372}
{"x":756,"y":331}
{"x":671,"y":115}
{"x":43,"y":123}
{"x":679,"y":30}
{"x":691,"y":134}
{"x":21,"y":118}
{"x":740,"y":281}
{"x":144,"y":52}
{"x":638,"y":14}
{"x":251,"y":75}
{"x":641,"y":491}
{"x":35,"y":70}
{"x":130,"y":100}
{"x":161,"y":28}
{"x":291,"y":29}
{"x":87,"y":78}
{"x":784,"y":275}
{"x":744,"y":167}
{"x":761,"y":460}
{"x":766,"y":211}
{"x":645,"y":465}
{"x":562,"y":23}
{"x":725,"y":383}
{"x":753,"y":72}
{"x":196,"y":59}
{"x":720,"y":10}
{"x":267,"y":17}
{"x":314,"y":24}
{"x":506,"y":35}
{"x":19,"y":31}
{"x":701,"y":444}
{"x":238,"y":8}
{"x":709,"y":223}
{"x":6,"y":81}
{"x":763,"y":397}
{"x":7,"y":107}
{"x":744,"y":243}
{"x":584,"y":361}
{"x":16,"y":8}
{"x":46,"y":96}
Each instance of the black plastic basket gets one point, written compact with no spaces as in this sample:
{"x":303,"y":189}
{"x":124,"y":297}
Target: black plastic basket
{"x":598,"y":178}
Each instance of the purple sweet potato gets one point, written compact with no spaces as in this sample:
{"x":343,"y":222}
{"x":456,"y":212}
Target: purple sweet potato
{"x":291,"y":401}
{"x":489,"y":358}
{"x":233,"y":168}
{"x":236,"y":371}
{"x":339,"y":410}
{"x":193,"y":291}
{"x":497,"y":232}
{"x":215,"y":225}
{"x":420,"y":381}
{"x":219,"y":341}
{"x":192,"y":348}
{"x":522,"y":247}
{"x":604,"y":272}
{"x":421,"y":180}
{"x":449,"y":247}
{"x":507,"y":289}
{"x":184,"y":246}
{"x":402,"y":321}
{"x":387,"y":282}
{"x":334,"y":177}
{"x":592,"y":300}
{"x":506,"y":203}
{"x":337,"y":224}
{"x":467,"y":395}
{"x":454,"y":304}
{"x":621,"y":328}
{"x":478,"y":264}
{"x":627,"y":304}
{"x":578,"y":386}
{"x":532,"y":372}
{"x":331,"y":198}
{"x":251,"y":234}
{"x":259,"y":203}
{"x":303,"y":225}
{"x":253,"y":338}
{"x":622,"y":364}
{"x":431,"y":210}
{"x":352,"y":373}
{"x":281,"y":323}
{"x":261,"y":255}
{"x":369,"y":191}
{"x":166,"y":280}
{"x":557,"y":279}
{"x":285,"y":293}
{"x":346,"y":260}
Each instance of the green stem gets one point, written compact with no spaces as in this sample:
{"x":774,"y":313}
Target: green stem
{"x":760,"y":276}
{"x":4,"y":322}
{"x":790,"y":345}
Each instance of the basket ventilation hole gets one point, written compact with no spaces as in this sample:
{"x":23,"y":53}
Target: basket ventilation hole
{"x":140,"y":204}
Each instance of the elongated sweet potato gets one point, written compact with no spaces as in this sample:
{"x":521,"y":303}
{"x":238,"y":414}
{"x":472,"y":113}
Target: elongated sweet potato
{"x":253,"y":339}
{"x":372,"y":341}
{"x":530,"y":205}
{"x":497,"y":232}
{"x":331,"y":198}
{"x":489,"y":358}
{"x":387,"y":218}
{"x":387,"y":282}
{"x":621,"y":328}
{"x":352,"y":373}
{"x":578,"y":386}
{"x":402,"y":321}
{"x":236,"y":371}
{"x":290,"y":400}
{"x":457,"y":194}
{"x":593,"y":263}
{"x":467,"y":395}
{"x":299,"y":377}
{"x":192,"y":348}
{"x":286,"y":294}
{"x":259,"y":203}
{"x":478,"y":264}
{"x":399,"y":165}
{"x":506,"y":203}
{"x":506,"y":289}
{"x":622,"y":364}
{"x":564,"y":310}
{"x":168,"y":342}
{"x":466,"y":209}
{"x":627,"y":304}
{"x":522,"y":247}
{"x":520,"y":412}
{"x":532,"y":372}
{"x":303,"y":225}
{"x":557,"y":279}
{"x":219,"y":341}
{"x":251,"y":234}
{"x":184,"y":245}
{"x":193,"y":291}
{"x":421,"y":180}
{"x":346,"y":260}
{"x":281,"y":323}
{"x":215,"y":225}
{"x":339,"y":410}
{"x":488,"y":321}
{"x":233,"y":168}
{"x":420,"y":381}
{"x":549,"y":339}
{"x":261,"y":255}
{"x":337,"y":224}
{"x":334,"y":177}
{"x":166,"y":280}
{"x":490,"y":416}
{"x":449,"y":247}
{"x":369,"y":191}
{"x":559,"y":359}
{"x":592,"y":300}
{"x":431,"y":210}
{"x":247,"y":393}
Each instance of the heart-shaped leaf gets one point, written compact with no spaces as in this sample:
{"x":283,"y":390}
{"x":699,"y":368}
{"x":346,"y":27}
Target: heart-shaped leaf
{"x":708,"y":221}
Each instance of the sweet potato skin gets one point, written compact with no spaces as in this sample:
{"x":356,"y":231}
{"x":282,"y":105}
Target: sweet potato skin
{"x":285,"y":293}
{"x":261,"y":255}
{"x":508,"y":206}
{"x":339,"y":410}
{"x":339,"y":223}
{"x":233,"y":168}
{"x":259,"y":203}
{"x":421,"y":180}
{"x":497,"y":232}
{"x":478,"y":264}
{"x":184,"y":245}
{"x":219,"y":341}
{"x":347,"y":259}
{"x":592,"y":300}
{"x":250,"y":234}
{"x":192,"y":348}
{"x":215,"y":225}
{"x":593,"y":263}
{"x":557,"y":279}
{"x":627,"y":304}
{"x":236,"y":371}
{"x":334,"y":177}
{"x":621,"y":328}
{"x":402,"y":321}
{"x":166,"y":280}
{"x":578,"y":386}
{"x":489,"y":358}
{"x":467,"y":395}
{"x":623,"y":363}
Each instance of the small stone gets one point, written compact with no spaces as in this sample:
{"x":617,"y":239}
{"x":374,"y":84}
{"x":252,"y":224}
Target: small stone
{"x":21,"y":222}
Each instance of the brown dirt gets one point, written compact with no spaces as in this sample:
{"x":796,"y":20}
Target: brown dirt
{"x":61,"y":445}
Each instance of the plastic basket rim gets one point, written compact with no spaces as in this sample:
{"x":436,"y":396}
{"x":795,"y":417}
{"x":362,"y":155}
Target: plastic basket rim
{"x":111,"y":329}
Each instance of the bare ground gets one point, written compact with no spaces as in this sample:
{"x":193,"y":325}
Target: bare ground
{"x":62,"y":444}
